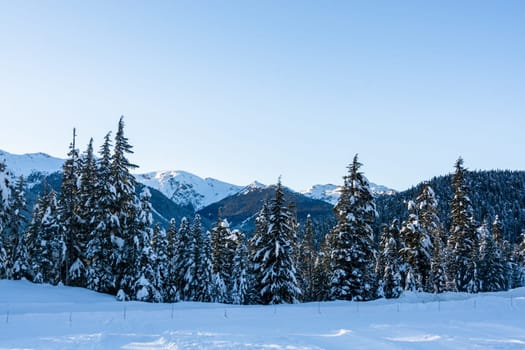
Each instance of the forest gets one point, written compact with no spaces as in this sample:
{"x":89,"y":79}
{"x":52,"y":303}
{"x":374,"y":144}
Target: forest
{"x":99,"y":233}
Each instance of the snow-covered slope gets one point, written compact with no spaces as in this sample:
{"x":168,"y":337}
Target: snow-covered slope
{"x":25,"y":164}
{"x":185,"y":188}
{"x":45,"y":317}
{"x":330,"y":193}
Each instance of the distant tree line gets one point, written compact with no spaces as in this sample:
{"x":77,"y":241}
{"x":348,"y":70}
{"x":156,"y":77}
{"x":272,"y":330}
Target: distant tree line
{"x":100,"y":234}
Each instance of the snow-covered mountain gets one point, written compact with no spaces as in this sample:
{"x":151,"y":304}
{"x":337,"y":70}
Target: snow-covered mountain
{"x":185,"y":188}
{"x":182,"y":187}
{"x":330,"y":193}
{"x":26,"y":164}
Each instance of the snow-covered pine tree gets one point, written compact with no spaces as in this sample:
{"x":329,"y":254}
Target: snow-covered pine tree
{"x":431,"y":231}
{"x":239,"y":281}
{"x":143,"y":274}
{"x":100,"y":252}
{"x":279,"y":283}
{"x":438,"y":275}
{"x":69,"y":218}
{"x":224,"y":245}
{"x":492,"y":270}
{"x":255,"y":245}
{"x":353,"y":252}
{"x":411,"y":251}
{"x":390,"y":275}
{"x":184,"y":263}
{"x":192,"y":261}
{"x":207,"y":282}
{"x":124,"y":211}
{"x":5,"y":199}
{"x":462,"y":240}
{"x":86,"y":214}
{"x":160,"y":246}
{"x":504,"y":249}
{"x":50,"y":247}
{"x":17,"y":253}
{"x":170,"y":281}
{"x":321,"y":281}
{"x":381,"y":259}
{"x":518,"y":271}
{"x":30,"y":240}
{"x":306,"y":261}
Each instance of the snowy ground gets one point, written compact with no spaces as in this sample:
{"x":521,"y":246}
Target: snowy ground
{"x":47,"y":317}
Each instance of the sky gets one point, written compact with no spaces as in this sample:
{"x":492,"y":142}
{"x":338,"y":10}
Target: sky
{"x":253,"y":90}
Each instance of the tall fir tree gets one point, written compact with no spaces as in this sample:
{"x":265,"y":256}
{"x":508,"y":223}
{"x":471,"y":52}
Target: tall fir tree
{"x":160,"y":246}
{"x":462,"y":240}
{"x":321,"y":282}
{"x":224,"y":244}
{"x":279,"y":283}
{"x":388,"y":262}
{"x":307,"y":260}
{"x":184,"y":262}
{"x":353,"y":252}
{"x":431,"y":231}
{"x":255,"y":245}
{"x":411,"y":251}
{"x":206,"y":280}
{"x":240,"y":281}
{"x":143,"y":274}
{"x":170,"y":281}
{"x":50,"y":247}
{"x":100,"y":250}
{"x":492,"y":270}
{"x":123,"y":211}
{"x":86,"y":211}
{"x":69,"y":215}
{"x":5,"y":198}
{"x":17,"y":252}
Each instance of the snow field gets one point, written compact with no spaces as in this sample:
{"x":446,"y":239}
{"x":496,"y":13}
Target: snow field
{"x":47,"y":317}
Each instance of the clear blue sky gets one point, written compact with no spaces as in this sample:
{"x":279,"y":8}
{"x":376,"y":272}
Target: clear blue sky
{"x":244,"y":90}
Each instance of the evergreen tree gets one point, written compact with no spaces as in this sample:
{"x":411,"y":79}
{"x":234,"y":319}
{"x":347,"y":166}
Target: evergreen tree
{"x":240,"y":282}
{"x":438,"y":276}
{"x":492,"y":271}
{"x":224,"y":246}
{"x":279,"y":283}
{"x":504,"y":251}
{"x":144,"y":273}
{"x":518,"y":266}
{"x":69,"y":218}
{"x":353,"y":252}
{"x":184,"y":263}
{"x":431,"y":231}
{"x":123,"y":210}
{"x":5,"y":198}
{"x":17,"y":253}
{"x":100,"y":250}
{"x":207,"y":282}
{"x":160,"y":245}
{"x":388,"y":267}
{"x":86,"y":213}
{"x":307,"y":259}
{"x":255,"y":245}
{"x":412,"y":251}
{"x":50,"y":247}
{"x":170,"y":281}
{"x":321,"y":282}
{"x":462,"y":244}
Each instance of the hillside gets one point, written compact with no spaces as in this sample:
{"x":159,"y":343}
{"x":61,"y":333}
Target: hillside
{"x":242,"y":208}
{"x":47,"y":317}
{"x":492,"y":192}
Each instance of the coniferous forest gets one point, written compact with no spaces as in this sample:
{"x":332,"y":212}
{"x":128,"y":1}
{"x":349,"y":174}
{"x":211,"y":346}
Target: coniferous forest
{"x":99,"y":233}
